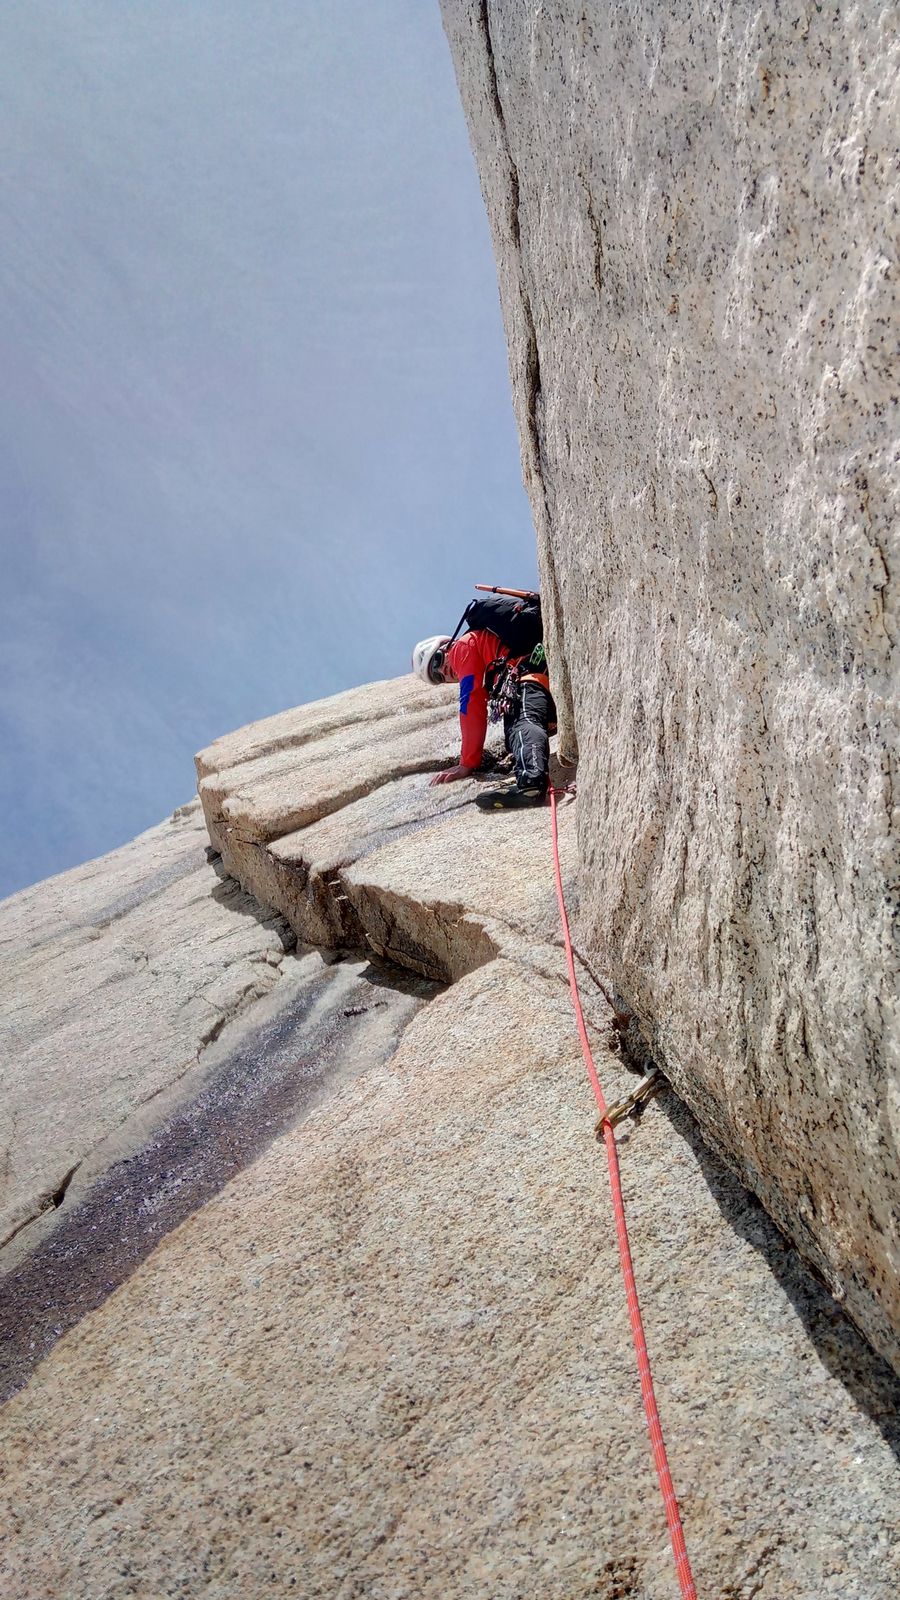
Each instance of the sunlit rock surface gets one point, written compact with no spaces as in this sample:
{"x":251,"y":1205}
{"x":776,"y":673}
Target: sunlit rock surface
{"x":694,"y":212}
{"x":116,"y":978}
{"x":158,"y":1028}
{"x":386,"y":1352}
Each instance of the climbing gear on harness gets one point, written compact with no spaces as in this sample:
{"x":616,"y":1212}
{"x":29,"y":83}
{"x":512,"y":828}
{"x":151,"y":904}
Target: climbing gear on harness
{"x":510,"y":799}
{"x":504,"y":677}
{"x":673,"y":1516}
{"x":501,"y":685}
{"x":429,"y":656}
{"x":652,"y":1084}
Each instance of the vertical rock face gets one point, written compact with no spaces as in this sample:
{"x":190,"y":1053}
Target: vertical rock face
{"x":694,"y":213}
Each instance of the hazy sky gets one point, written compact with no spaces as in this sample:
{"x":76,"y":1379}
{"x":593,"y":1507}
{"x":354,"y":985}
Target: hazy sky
{"x":255,"y":426}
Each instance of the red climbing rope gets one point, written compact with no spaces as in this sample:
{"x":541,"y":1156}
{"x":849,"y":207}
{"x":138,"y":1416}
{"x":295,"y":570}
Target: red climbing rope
{"x":673,"y":1516}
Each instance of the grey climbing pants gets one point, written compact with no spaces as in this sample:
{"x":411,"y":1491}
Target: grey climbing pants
{"x":525,"y":733}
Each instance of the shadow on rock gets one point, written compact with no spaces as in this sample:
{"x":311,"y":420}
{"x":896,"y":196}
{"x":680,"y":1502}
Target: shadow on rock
{"x":229,"y":894}
{"x":873,"y":1385}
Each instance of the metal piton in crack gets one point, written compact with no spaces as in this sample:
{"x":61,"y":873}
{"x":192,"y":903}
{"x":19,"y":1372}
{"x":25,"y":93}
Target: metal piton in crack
{"x":645,"y":1090}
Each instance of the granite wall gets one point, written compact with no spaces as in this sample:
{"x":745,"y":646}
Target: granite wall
{"x":694,"y":213}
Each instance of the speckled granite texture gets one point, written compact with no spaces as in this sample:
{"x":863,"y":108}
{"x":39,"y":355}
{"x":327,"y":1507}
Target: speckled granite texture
{"x":695,"y":217}
{"x":386,"y":1356}
{"x":392,"y":1361}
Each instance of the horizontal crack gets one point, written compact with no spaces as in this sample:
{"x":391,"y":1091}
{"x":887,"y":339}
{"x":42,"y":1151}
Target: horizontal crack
{"x":298,"y":741}
{"x":328,"y":807}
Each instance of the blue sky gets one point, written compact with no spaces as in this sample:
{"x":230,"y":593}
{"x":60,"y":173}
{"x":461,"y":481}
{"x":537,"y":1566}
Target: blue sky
{"x":255,"y":427}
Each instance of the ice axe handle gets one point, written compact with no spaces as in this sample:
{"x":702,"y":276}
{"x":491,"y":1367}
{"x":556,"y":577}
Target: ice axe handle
{"x":517,"y":594}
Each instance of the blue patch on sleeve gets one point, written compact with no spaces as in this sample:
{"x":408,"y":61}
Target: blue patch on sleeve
{"x":466,"y":685}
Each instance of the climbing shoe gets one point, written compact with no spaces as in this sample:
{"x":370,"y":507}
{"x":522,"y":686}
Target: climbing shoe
{"x":509,"y":799}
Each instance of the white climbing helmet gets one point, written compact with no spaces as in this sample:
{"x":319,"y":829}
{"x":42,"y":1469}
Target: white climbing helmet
{"x":428,"y":657}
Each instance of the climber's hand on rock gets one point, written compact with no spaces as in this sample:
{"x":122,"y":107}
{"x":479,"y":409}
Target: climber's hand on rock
{"x":450,"y":775}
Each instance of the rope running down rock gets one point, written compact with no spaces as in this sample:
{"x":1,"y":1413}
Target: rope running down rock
{"x":673,"y":1516}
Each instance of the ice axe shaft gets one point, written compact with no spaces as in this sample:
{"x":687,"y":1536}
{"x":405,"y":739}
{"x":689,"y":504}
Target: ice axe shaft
{"x":517,"y":594}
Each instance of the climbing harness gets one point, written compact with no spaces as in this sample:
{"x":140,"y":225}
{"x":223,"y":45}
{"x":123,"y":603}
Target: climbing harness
{"x":605,"y":1129}
{"x":503,"y":679}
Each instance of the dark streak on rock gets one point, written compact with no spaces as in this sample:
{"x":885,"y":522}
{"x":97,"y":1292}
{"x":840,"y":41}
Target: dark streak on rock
{"x":272,"y":1079}
{"x":594,"y":221}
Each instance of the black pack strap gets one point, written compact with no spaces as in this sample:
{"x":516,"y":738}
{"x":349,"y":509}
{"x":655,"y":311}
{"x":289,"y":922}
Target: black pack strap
{"x":460,"y":623}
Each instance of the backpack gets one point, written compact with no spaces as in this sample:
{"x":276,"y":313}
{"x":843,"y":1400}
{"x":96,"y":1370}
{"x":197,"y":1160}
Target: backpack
{"x":516,"y":622}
